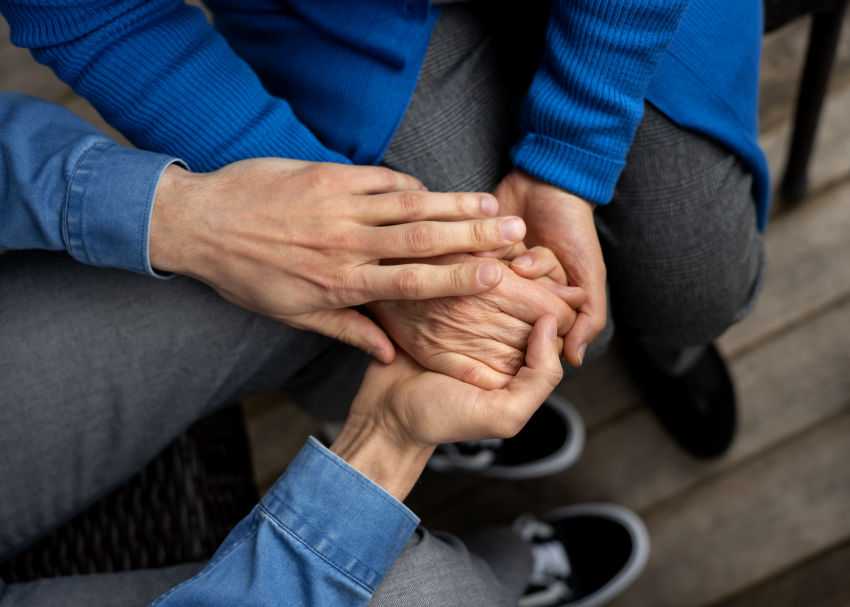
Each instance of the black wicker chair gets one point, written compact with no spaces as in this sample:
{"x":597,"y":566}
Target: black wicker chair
{"x":827,"y":19}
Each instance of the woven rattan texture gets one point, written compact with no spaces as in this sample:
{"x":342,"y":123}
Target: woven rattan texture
{"x":178,"y":509}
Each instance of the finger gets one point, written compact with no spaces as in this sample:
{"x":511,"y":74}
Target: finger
{"x":423,"y":281}
{"x":574,"y":297}
{"x":433,"y":238}
{"x":505,"y":253}
{"x":367,"y":180}
{"x":351,"y":327}
{"x":528,"y":301}
{"x":468,"y":370}
{"x":537,"y":262}
{"x":411,"y":206}
{"x":591,"y":319}
{"x":513,"y":406}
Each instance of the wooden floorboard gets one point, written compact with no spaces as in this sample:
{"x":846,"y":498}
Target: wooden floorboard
{"x":745,"y":526}
{"x":823,"y":581}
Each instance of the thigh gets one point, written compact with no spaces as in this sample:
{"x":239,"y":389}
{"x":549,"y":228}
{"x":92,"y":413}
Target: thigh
{"x":462,"y":119}
{"x":127,"y":589}
{"x":684,"y":256}
{"x":437,"y":569}
{"x":103,"y":368}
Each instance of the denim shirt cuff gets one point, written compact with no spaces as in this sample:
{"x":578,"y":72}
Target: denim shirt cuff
{"x":340,"y":514}
{"x":107,"y":216}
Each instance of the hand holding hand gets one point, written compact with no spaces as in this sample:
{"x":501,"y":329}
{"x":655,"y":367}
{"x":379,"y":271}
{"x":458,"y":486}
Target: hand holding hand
{"x":300,"y":242}
{"x":479,"y":339}
{"x":563,"y":223}
{"x":403,"y":411}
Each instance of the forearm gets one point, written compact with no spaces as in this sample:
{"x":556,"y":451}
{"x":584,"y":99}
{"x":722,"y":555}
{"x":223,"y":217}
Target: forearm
{"x":162,"y":76}
{"x":586,"y":99}
{"x":375,"y":453}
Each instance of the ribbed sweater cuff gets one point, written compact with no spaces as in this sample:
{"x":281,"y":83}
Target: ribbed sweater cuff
{"x":577,"y":171}
{"x":107,"y":214}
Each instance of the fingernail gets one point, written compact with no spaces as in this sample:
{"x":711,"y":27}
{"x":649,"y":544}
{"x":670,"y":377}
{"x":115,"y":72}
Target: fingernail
{"x":513,"y":229}
{"x":489,"y":206}
{"x":580,"y":354}
{"x":552,"y":329}
{"x":378,"y":353}
{"x":489,"y":274}
{"x":522,"y":262}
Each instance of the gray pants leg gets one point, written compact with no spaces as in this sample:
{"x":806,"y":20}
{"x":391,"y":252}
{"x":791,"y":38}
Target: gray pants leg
{"x":684,"y":257}
{"x":488,"y":569}
{"x":128,"y":589}
{"x":102,"y":369}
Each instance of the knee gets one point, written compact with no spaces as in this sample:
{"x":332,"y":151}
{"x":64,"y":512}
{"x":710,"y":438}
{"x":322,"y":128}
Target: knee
{"x":701,"y":300}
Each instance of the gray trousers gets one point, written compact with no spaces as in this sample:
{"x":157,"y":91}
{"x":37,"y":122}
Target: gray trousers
{"x":101,"y":369}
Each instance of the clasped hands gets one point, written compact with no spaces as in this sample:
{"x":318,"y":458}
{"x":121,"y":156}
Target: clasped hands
{"x":480,"y":317}
{"x":303,"y":242}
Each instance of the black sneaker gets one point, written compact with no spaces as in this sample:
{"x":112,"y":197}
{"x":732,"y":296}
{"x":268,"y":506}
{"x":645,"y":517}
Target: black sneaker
{"x":697,"y":408}
{"x":551,"y":441}
{"x":584,"y":555}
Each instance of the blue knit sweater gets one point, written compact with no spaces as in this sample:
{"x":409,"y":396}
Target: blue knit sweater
{"x":339,"y":74}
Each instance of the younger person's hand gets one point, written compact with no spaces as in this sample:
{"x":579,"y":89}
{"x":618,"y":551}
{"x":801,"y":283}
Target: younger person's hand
{"x":403,"y":411}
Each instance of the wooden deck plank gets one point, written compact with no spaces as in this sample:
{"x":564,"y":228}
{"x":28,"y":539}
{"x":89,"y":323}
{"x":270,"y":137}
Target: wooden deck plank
{"x":749,"y":524}
{"x":824,"y":581}
{"x":784,"y":387}
{"x":277,"y":429}
{"x":603,"y":391}
{"x":21,"y":73}
{"x":831,"y":154}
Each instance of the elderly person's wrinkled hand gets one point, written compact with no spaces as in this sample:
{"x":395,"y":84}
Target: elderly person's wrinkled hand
{"x":481,"y":339}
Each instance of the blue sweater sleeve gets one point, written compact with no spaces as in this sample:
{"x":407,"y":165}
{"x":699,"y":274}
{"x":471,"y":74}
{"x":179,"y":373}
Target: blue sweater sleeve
{"x":65,"y":185}
{"x":586,"y":99}
{"x":159,"y":73}
{"x":324,"y":534}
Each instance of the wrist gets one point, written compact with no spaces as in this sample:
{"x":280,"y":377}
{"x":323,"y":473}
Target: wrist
{"x":377,"y":454}
{"x":169,"y":242}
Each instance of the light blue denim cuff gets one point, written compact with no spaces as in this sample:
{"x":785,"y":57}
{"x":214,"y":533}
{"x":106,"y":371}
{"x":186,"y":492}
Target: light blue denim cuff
{"x":340,"y":514}
{"x":107,"y":215}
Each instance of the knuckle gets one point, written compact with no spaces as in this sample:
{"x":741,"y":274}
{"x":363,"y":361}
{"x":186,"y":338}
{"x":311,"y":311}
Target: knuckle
{"x":421,"y":240}
{"x":478,"y":233}
{"x":412,"y":205}
{"x":472,"y":374}
{"x":458,"y":279}
{"x":409,"y":284}
{"x":385,"y":177}
{"x":463,"y":204}
{"x":322,"y":177}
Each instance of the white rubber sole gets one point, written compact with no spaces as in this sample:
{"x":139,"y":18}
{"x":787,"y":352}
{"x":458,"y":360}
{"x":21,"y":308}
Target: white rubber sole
{"x":562,"y":459}
{"x":640,"y":548}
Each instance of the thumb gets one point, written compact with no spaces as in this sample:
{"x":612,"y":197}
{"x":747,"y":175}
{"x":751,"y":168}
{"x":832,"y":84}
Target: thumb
{"x":351,"y":327}
{"x":544,"y":347}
